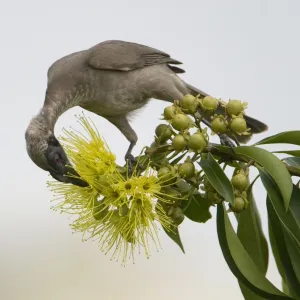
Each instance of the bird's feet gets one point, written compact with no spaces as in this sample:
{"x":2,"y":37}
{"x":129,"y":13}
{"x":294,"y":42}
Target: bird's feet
{"x":131,"y":161}
{"x":226,"y":141}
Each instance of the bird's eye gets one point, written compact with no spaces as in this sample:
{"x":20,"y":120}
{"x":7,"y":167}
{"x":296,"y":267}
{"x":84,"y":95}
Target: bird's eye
{"x":58,"y":159}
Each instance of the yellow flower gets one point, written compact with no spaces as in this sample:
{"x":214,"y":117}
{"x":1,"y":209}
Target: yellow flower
{"x":71,"y":199}
{"x":122,"y":213}
{"x":89,"y":153}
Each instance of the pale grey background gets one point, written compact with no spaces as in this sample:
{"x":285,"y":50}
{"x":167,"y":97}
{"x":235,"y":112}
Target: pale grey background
{"x":239,"y":49}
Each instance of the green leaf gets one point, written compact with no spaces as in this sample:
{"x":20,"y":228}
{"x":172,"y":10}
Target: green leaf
{"x":295,"y":204}
{"x":289,"y":152}
{"x":248,"y":294}
{"x":288,"y":219}
{"x":185,"y":188}
{"x":292,"y":161}
{"x":251,"y":234}
{"x":197,"y":208}
{"x":253,"y":239}
{"x":276,"y":254}
{"x":294,"y":252}
{"x":217,"y":178}
{"x":279,"y":238}
{"x":239,"y":261}
{"x":174,"y":235}
{"x":274,"y":166}
{"x":287,"y":137}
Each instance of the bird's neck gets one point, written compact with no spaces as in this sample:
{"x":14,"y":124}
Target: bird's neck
{"x":56,"y":103}
{"x":48,"y":117}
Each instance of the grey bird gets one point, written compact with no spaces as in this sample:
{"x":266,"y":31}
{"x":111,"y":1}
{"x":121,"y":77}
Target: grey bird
{"x":110,"y":79}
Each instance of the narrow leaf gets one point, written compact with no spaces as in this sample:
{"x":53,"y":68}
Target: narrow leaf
{"x":217,"y":178}
{"x":251,"y":234}
{"x":292,"y":161}
{"x":287,"y":218}
{"x":248,"y":294}
{"x":287,"y":137}
{"x":174,"y":235}
{"x":289,"y":152}
{"x":294,"y":253}
{"x":279,"y":235}
{"x":253,"y":239}
{"x":274,"y":166}
{"x":295,"y":204}
{"x":239,"y":261}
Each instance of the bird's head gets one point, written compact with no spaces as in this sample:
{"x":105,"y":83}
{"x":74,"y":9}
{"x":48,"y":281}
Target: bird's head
{"x":47,"y":153}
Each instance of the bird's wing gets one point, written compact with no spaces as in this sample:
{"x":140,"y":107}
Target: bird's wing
{"x":125,"y":56}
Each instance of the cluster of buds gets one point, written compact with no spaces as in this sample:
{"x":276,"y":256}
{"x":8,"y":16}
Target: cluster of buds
{"x":225,"y":118}
{"x":180,"y":125}
{"x":240,"y":184}
{"x":171,"y":196}
{"x":233,"y":121}
{"x":183,"y":134}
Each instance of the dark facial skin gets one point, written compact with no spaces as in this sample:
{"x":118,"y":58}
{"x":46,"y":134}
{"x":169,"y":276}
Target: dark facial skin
{"x":60,"y":164}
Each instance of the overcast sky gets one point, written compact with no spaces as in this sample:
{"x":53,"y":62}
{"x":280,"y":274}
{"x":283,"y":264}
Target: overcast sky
{"x":231,"y":49}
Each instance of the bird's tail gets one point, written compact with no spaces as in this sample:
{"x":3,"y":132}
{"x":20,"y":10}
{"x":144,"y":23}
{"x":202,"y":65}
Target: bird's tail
{"x":255,"y":125}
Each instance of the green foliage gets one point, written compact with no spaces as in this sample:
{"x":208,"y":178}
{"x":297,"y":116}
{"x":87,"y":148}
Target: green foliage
{"x":217,"y":178}
{"x":273,"y":166}
{"x":245,"y":251}
{"x":287,"y":137}
{"x":197,"y":208}
{"x":240,"y":262}
{"x":251,"y":235}
{"x":175,"y":236}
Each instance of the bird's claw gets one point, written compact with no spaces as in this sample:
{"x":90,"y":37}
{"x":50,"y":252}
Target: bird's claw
{"x":131,"y":163}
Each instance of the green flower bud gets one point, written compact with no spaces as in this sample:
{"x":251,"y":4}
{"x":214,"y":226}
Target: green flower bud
{"x":240,"y":181}
{"x":186,"y":170}
{"x":187,"y":101}
{"x":167,"y":175}
{"x":180,"y":122}
{"x":240,"y":204}
{"x":163,"y":132}
{"x":209,"y":103}
{"x":197,"y":142}
{"x":189,"y":104}
{"x":235,"y":107}
{"x":238,"y":125}
{"x":169,"y":112}
{"x":152,"y":149}
{"x":179,"y":142}
{"x":219,"y":125}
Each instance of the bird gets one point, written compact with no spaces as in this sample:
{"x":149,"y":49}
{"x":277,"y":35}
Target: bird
{"x":111,"y":79}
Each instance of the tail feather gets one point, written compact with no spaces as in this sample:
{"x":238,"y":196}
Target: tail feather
{"x":256,"y":126}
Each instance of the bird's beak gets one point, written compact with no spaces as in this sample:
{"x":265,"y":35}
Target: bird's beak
{"x":68,"y":177}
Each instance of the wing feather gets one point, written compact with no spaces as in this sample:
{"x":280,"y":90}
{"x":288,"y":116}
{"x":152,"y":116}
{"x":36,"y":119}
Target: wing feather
{"x":125,"y":56}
